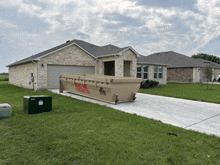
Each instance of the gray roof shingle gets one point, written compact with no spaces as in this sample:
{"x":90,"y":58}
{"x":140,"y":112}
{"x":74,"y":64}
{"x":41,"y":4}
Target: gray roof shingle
{"x":91,"y":48}
{"x":174,"y":60}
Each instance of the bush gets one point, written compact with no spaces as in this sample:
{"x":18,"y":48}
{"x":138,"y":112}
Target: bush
{"x":149,"y":84}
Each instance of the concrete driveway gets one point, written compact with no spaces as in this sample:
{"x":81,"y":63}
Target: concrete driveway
{"x":193,"y":115}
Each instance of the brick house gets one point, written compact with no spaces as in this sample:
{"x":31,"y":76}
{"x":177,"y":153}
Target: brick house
{"x":78,"y":57}
{"x":182,"y":68}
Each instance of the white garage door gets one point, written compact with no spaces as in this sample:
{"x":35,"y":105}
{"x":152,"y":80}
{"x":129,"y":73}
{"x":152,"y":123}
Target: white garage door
{"x":54,"y":71}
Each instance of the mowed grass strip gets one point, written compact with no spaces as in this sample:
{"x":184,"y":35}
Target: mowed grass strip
{"x":3,"y":77}
{"x":187,"y":91}
{"x":78,"y":132}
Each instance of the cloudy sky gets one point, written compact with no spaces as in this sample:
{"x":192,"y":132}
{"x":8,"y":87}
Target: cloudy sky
{"x":185,"y":26}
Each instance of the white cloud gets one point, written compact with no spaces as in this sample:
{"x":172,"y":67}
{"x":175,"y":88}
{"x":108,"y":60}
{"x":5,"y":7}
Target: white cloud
{"x":10,"y":3}
{"x":29,"y":8}
{"x":7,"y":24}
{"x":209,"y":27}
{"x":151,"y":26}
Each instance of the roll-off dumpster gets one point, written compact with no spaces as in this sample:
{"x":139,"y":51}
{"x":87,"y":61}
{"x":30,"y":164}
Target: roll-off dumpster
{"x":109,"y":89}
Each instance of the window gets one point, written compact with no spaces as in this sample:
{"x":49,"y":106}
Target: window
{"x":155,"y":72}
{"x":160,"y":72}
{"x":145,"y":72}
{"x":139,"y":72}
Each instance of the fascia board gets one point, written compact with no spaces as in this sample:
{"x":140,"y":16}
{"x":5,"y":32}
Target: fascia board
{"x":39,"y":58}
{"x":145,"y":63}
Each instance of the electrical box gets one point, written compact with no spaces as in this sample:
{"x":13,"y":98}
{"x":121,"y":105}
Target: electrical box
{"x":32,"y":77}
{"x":5,"y":110}
{"x":37,"y":104}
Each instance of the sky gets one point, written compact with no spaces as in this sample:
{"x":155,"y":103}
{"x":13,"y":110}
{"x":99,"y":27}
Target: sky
{"x":28,"y":27}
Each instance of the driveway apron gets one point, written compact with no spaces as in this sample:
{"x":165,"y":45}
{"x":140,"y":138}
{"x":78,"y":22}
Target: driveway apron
{"x":192,"y":115}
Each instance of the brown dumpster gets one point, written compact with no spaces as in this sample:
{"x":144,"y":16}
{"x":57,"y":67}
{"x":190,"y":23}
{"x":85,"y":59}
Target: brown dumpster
{"x":109,"y":89}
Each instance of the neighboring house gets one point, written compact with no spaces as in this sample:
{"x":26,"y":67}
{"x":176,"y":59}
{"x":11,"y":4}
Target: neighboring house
{"x":183,"y":68}
{"x":151,"y":70}
{"x":78,"y":57}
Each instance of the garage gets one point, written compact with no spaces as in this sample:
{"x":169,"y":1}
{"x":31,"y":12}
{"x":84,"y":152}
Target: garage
{"x":53,"y":72}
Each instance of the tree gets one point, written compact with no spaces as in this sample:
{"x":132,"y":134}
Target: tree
{"x":3,"y":73}
{"x":207,"y":71}
{"x":207,"y":57}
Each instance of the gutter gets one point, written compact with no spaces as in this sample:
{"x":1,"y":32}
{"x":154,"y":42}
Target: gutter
{"x":145,"y":63}
{"x":108,"y":55}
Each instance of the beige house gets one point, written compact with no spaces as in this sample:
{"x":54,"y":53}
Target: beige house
{"x":182,"y":68}
{"x":151,"y":70}
{"x":78,"y":57}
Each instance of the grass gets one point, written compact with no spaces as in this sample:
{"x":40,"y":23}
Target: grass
{"x":78,"y":132}
{"x":187,"y":91}
{"x":3,"y":77}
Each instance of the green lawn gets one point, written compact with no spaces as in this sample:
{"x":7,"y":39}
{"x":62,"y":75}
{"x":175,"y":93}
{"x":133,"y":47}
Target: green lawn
{"x":187,"y":91}
{"x":78,"y":132}
{"x":3,"y":77}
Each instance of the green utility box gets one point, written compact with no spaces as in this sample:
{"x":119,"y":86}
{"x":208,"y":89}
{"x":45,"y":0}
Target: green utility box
{"x":37,"y":104}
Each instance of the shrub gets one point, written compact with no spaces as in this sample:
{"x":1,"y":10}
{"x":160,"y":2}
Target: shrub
{"x":149,"y":84}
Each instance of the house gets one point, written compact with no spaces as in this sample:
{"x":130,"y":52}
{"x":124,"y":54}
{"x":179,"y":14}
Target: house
{"x":151,"y":70}
{"x":78,"y":57}
{"x":182,"y":68}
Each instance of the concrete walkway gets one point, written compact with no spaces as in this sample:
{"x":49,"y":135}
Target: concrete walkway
{"x":193,"y":115}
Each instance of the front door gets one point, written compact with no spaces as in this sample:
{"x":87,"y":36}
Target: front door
{"x":109,"y":68}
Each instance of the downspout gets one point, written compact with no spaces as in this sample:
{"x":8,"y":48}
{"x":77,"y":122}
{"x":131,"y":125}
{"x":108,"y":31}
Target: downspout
{"x":37,"y":74}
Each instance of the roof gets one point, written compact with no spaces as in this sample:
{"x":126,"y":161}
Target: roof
{"x":175,"y":60}
{"x":93,"y":50}
{"x":142,"y":60}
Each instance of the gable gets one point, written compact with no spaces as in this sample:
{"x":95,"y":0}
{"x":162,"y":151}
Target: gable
{"x":129,"y":48}
{"x":71,"y":55}
{"x":63,"y":49}
{"x":129,"y":55}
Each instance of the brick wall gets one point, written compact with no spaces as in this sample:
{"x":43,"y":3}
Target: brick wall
{"x":19,"y":75}
{"x":119,"y":63}
{"x":182,"y":75}
{"x":162,"y":81}
{"x":71,"y":55}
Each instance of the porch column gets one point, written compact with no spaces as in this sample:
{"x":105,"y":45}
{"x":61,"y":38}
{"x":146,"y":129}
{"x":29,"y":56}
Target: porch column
{"x":96,"y":63}
{"x":116,"y":65}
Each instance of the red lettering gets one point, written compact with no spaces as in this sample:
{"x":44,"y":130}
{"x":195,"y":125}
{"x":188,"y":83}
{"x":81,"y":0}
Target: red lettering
{"x":82,"y":88}
{"x":78,"y":87}
{"x":85,"y":89}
